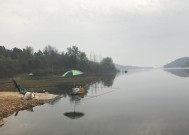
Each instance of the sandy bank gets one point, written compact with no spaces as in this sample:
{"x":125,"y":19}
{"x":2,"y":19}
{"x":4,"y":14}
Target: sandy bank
{"x":11,"y":102}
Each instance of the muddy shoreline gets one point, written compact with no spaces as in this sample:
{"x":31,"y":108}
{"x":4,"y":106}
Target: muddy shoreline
{"x":12,"y":102}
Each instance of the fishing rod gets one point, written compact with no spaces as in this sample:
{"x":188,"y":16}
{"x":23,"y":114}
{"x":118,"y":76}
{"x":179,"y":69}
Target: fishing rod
{"x":90,"y":97}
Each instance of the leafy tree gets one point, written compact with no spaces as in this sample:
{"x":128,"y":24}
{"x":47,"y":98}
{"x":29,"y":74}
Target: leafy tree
{"x":16,"y":61}
{"x":49,"y":50}
{"x":3,"y":51}
{"x":29,"y":50}
{"x":73,"y":51}
{"x":107,"y":64}
{"x":39,"y":53}
{"x":16,"y":53}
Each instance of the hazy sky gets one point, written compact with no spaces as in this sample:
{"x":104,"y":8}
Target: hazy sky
{"x":132,"y":32}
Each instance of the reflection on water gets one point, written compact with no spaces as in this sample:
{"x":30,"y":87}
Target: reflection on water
{"x":66,"y":89}
{"x":74,"y":114}
{"x":179,"y":72}
{"x":144,"y":103}
{"x":55,"y":100}
{"x":77,"y":97}
{"x":108,"y":80}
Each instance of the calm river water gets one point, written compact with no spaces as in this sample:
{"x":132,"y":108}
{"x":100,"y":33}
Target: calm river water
{"x":154,"y":102}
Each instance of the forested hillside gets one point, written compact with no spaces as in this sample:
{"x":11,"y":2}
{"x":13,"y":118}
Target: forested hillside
{"x":49,"y":61}
{"x":179,"y":63}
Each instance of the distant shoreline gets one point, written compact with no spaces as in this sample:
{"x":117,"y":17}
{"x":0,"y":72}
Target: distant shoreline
{"x":177,"y":68}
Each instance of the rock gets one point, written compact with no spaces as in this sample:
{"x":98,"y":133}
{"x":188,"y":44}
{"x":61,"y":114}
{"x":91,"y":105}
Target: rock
{"x":28,"y":95}
{"x":2,"y":122}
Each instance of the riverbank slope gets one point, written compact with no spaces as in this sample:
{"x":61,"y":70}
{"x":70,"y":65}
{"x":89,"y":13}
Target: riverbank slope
{"x":11,"y":102}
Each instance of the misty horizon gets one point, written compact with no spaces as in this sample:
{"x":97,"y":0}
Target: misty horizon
{"x":131,"y":32}
{"x":97,"y":58}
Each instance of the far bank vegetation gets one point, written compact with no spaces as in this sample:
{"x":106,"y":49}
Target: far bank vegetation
{"x":50,"y":62}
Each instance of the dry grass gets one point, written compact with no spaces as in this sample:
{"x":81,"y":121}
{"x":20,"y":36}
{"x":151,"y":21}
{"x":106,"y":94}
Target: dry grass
{"x":44,"y":82}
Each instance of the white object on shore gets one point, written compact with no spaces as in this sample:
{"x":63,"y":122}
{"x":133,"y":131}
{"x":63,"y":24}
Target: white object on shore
{"x":29,"y":95}
{"x":30,"y":74}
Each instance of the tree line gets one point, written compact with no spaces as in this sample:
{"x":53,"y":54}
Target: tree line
{"x":49,"y":62}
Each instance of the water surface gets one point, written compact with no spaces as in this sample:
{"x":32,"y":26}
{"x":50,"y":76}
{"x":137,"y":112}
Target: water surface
{"x":151,"y":102}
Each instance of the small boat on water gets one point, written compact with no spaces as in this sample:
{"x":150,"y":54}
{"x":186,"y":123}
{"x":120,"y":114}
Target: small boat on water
{"x":78,"y":91}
